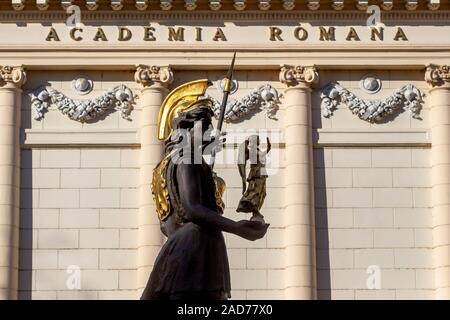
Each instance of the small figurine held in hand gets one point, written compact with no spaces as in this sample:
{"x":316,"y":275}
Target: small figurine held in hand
{"x":255,"y":193}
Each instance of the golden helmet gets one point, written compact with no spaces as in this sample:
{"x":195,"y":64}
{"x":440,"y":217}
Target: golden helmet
{"x":184,"y":98}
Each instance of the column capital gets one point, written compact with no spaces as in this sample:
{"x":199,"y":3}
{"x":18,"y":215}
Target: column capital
{"x":437,"y":75}
{"x":150,"y":75}
{"x":15,"y":75}
{"x":295,"y":75}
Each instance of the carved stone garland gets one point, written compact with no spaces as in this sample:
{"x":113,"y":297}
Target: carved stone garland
{"x":120,"y":98}
{"x":407,"y":96}
{"x":264,"y":97}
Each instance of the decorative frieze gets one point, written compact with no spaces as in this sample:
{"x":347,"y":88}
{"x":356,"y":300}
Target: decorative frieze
{"x":117,"y":4}
{"x":148,"y":75}
{"x":374,"y":111}
{"x":264,"y":98}
{"x":387,"y":5}
{"x":288,"y":4}
{"x":141,"y":4}
{"x":120,"y":98}
{"x":362,"y":5}
{"x":18,"y":4}
{"x":337,"y":4}
{"x":42,"y":4}
{"x":215,"y":5}
{"x":166,"y":4}
{"x":66,"y":3}
{"x":239,"y":5}
{"x":15,"y":75}
{"x":190,"y":4}
{"x":264,"y":4}
{"x":313,"y":4}
{"x":433,"y":4}
{"x":436,"y":75}
{"x":91,"y":5}
{"x":293,"y":75}
{"x":411,"y":4}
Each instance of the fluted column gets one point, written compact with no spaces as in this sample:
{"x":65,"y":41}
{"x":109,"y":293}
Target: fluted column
{"x":438,"y":78}
{"x":11,"y":79}
{"x":300,"y":260}
{"x":154,"y":81}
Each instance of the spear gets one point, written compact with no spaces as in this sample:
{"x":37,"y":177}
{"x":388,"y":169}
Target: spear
{"x":226,"y":92}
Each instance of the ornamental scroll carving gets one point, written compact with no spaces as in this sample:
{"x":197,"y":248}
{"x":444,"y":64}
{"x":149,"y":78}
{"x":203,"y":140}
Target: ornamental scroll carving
{"x":264,"y":98}
{"x":148,"y":75}
{"x":436,"y":75}
{"x":408,"y":97}
{"x":120,"y":98}
{"x":15,"y":75}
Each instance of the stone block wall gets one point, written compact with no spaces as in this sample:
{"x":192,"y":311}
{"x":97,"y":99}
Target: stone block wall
{"x":372,"y":199}
{"x":80,"y":203}
{"x":373,"y":209}
{"x":79,"y":210}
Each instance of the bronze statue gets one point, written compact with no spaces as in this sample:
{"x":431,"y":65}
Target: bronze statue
{"x":254,"y":195}
{"x":193,"y":263}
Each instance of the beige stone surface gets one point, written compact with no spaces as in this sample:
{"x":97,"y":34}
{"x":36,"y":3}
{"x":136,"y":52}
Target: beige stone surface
{"x":86,"y":201}
{"x":381,"y":219}
{"x":71,"y":223}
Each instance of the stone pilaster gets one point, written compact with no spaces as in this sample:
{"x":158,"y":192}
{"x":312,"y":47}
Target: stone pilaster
{"x":300,"y":260}
{"x":11,"y":79}
{"x":438,"y":77}
{"x":154,"y":81}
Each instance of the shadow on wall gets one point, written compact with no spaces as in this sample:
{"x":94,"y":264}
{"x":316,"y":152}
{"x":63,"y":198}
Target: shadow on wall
{"x":26,"y":227}
{"x":322,"y":237}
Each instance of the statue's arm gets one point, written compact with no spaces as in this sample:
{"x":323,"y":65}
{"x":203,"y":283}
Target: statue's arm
{"x":189,"y":188}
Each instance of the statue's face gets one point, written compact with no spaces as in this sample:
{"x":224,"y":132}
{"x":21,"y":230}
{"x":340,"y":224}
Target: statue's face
{"x":208,"y":134}
{"x":195,"y":136}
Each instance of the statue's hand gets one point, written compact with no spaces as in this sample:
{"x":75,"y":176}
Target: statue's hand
{"x":217,"y":141}
{"x":251,"y":230}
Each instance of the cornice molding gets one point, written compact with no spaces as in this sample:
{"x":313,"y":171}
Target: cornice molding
{"x":141,"y":16}
{"x":238,"y":5}
{"x":217,"y":4}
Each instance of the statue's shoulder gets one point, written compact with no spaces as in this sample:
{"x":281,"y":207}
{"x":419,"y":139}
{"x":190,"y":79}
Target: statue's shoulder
{"x":164,"y":190}
{"x":160,"y":189}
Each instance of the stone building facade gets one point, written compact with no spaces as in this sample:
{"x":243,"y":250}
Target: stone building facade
{"x":357,"y":106}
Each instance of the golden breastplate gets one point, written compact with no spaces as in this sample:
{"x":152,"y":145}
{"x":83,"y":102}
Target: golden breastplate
{"x":161,"y":196}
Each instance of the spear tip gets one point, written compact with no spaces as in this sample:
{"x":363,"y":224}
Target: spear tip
{"x":230,"y":70}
